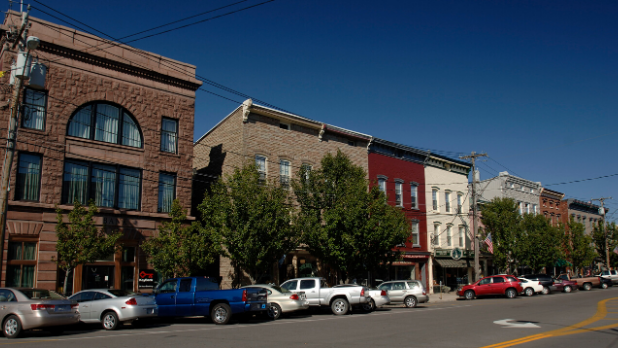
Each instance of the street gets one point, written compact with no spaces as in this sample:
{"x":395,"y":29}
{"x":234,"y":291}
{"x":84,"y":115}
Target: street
{"x":555,"y":320}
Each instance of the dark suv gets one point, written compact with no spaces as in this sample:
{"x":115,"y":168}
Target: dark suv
{"x":545,"y":279}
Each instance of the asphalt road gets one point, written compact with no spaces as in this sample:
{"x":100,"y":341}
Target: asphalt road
{"x":578,"y":319}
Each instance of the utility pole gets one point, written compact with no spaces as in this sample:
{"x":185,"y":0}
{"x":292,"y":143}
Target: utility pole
{"x":24,"y":46}
{"x":477,"y":265}
{"x":602,"y":200}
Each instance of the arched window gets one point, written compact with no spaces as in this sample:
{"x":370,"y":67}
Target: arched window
{"x":105,"y":122}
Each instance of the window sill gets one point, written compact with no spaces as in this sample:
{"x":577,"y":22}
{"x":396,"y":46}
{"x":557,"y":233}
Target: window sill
{"x":170,"y":154}
{"x":33,"y":130}
{"x":102,"y":144}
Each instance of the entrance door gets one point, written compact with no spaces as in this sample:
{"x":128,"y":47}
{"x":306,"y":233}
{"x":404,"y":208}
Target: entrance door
{"x":98,"y":277}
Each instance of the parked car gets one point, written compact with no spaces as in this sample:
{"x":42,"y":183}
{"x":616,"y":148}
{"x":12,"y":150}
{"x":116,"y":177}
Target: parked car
{"x":113,"y":307}
{"x":379,"y":298}
{"x":606,"y":283}
{"x":611,"y":275}
{"x":531,"y":287}
{"x":282,"y":300}
{"x":585,"y":283}
{"x":408,"y":292}
{"x":320,"y":295}
{"x":505,"y":285}
{"x":200,"y":296}
{"x":545,"y":279}
{"x":26,"y":309}
{"x":564,"y":285}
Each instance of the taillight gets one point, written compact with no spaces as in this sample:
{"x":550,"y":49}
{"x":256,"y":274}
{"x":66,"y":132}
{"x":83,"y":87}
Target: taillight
{"x":294,"y":297}
{"x":40,"y":306}
{"x":132,"y":302}
{"x":75,"y":305}
{"x":363,"y":292}
{"x":383,"y":293}
{"x":244,"y":295}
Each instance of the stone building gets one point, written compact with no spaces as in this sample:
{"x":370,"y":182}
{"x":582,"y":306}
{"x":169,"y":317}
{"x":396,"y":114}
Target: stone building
{"x":525,"y":192}
{"x":278,"y":143}
{"x":111,"y":124}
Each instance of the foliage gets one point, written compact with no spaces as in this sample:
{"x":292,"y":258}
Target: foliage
{"x":347,"y":226}
{"x":598,"y":236}
{"x":253,"y":219}
{"x":80,"y":241}
{"x":539,"y":243}
{"x":579,"y":245}
{"x":181,"y":250}
{"x":501,"y":218}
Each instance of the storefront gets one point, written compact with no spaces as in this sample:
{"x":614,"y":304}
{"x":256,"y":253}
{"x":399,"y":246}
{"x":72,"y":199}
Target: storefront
{"x":450,"y":272}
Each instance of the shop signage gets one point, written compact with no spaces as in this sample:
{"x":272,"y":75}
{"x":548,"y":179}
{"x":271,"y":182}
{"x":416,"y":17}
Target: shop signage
{"x":413,"y":256}
{"x":146,"y":279}
{"x":456,"y":254}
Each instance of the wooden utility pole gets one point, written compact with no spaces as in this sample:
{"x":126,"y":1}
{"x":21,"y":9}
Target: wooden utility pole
{"x":22,"y":45}
{"x":477,"y":266}
{"x":602,"y":210}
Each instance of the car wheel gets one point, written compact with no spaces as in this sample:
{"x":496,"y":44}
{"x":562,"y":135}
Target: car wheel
{"x":567,"y":289}
{"x":274,"y":312}
{"x":12,"y":327}
{"x":603,"y":285}
{"x":469,"y":295}
{"x":587,"y":286}
{"x":410,"y":301}
{"x":110,"y":321}
{"x":545,"y":290}
{"x":511,"y":293}
{"x":369,"y":306}
{"x":221,"y":314}
{"x":529,"y":292}
{"x":340,"y":306}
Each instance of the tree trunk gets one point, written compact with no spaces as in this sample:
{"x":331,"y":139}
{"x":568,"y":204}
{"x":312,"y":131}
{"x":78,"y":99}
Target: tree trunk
{"x":66,"y":280}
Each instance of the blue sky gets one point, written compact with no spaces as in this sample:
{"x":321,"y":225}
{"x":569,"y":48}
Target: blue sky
{"x":532,"y":83}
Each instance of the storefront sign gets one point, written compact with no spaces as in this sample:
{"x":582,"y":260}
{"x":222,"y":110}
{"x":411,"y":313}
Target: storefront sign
{"x":146,"y":279}
{"x":456,"y":254}
{"x":412,"y":256}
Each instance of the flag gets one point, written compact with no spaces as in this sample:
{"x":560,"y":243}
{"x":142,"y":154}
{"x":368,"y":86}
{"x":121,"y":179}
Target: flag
{"x":616,"y":250}
{"x":490,"y":245}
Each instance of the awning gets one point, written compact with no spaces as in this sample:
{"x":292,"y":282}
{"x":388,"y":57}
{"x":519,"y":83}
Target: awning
{"x":448,"y":263}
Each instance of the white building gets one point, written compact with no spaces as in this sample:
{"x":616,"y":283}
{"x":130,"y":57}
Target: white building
{"x":525,"y":192}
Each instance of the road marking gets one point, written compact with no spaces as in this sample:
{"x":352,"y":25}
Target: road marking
{"x":23,"y":342}
{"x":516,"y":325}
{"x":569,"y":330}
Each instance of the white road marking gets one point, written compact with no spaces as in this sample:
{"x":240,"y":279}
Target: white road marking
{"x":516,"y":325}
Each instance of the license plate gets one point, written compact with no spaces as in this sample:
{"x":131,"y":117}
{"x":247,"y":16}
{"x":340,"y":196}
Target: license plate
{"x":62,"y":308}
{"x":149,"y":310}
{"x":258,"y":306}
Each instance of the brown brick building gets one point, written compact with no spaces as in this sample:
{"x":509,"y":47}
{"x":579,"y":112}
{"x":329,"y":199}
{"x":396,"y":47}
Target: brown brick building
{"x":279,"y":144}
{"x":552,"y":206}
{"x":110,"y":124}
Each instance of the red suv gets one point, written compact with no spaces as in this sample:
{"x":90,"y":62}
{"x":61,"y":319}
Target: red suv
{"x":506,"y":285}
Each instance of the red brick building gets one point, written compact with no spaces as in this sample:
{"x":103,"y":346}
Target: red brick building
{"x":398,"y":171}
{"x":552,"y":206}
{"x":111,"y":124}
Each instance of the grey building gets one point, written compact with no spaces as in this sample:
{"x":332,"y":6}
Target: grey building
{"x":525,"y":192}
{"x":584,"y":212}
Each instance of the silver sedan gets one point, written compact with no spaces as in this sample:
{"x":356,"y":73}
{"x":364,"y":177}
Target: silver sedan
{"x":25,"y":309}
{"x":112,"y":307}
{"x":282,"y":300}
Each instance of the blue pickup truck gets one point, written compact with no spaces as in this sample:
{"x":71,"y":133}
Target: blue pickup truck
{"x":200,"y":296}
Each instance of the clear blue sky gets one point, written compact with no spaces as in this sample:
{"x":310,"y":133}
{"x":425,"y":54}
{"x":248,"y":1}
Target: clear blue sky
{"x":532,"y":83}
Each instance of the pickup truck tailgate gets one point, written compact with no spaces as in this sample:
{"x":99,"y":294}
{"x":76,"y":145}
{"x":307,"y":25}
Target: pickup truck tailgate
{"x":257,"y":299}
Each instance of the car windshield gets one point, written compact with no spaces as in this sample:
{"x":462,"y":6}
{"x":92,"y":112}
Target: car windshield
{"x":37,"y":294}
{"x":120,"y":293}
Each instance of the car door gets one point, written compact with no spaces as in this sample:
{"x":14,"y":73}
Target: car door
{"x":166,"y":298}
{"x":310,"y":287}
{"x":498,"y":286}
{"x":483,"y":288}
{"x":98,"y":305}
{"x":84,"y":298}
{"x":398,"y":291}
{"x":7,"y":302}
{"x":184,"y":298}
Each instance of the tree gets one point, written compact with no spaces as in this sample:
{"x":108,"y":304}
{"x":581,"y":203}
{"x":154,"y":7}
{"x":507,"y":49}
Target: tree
{"x":539,"y":243}
{"x":253,"y":219}
{"x":346,"y":225}
{"x":501,"y":218}
{"x":598,"y":236}
{"x":579,"y":245}
{"x":80,"y":241}
{"x":182,"y":250}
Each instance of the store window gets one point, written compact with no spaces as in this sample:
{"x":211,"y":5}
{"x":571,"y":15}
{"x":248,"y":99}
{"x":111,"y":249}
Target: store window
{"x":21,"y":264}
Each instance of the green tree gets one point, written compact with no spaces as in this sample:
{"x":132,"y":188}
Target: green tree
{"x":501,"y":218}
{"x":80,"y":241}
{"x":181,"y":250}
{"x":253,"y":219}
{"x":579,"y":245}
{"x":539,"y":243}
{"x":344,"y":224}
{"x":598,"y":237}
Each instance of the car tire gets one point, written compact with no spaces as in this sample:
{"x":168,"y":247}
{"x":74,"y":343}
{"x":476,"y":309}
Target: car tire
{"x":529,"y":291}
{"x":221,"y":314}
{"x":469,"y":295}
{"x":274,"y":312}
{"x":410,"y":302}
{"x":369,"y":306}
{"x":340,"y":306}
{"x":510,"y":293}
{"x":110,"y":320}
{"x":604,"y":286}
{"x":567,"y":289}
{"x":545,"y":290}
{"x":12,"y":327}
{"x":587,"y":286}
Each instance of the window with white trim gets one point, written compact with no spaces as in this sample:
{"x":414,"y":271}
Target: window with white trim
{"x":436,"y":234}
{"x":284,"y":173}
{"x":535,"y":209}
{"x":415,"y":233}
{"x":398,"y":195}
{"x":434,"y":198}
{"x":462,"y":234}
{"x":449,"y":235}
{"x":307,"y":170}
{"x":414,"y":195}
{"x":521,"y":208}
{"x":382,"y":184}
{"x":447,"y":201}
{"x":260,"y":164}
{"x":459,"y":203}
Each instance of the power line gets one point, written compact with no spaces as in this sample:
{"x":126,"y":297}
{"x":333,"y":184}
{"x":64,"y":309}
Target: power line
{"x":582,"y":180}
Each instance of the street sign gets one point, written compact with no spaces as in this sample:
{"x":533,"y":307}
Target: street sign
{"x":508,"y":324}
{"x":456,"y":254}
